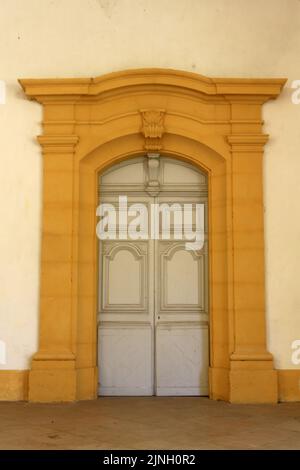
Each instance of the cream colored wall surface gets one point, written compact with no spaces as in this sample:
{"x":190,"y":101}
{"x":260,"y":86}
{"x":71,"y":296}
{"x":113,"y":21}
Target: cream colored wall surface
{"x":82,"y":38}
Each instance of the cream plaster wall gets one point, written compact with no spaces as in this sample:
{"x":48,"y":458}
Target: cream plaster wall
{"x":74,"y":38}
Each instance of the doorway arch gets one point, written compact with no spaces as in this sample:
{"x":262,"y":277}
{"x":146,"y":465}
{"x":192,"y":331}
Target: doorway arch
{"x":91,"y":124}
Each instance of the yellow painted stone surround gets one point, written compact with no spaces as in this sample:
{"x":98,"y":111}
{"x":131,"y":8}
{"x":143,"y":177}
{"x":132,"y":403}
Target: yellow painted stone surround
{"x":14,"y":385}
{"x":213,"y":123}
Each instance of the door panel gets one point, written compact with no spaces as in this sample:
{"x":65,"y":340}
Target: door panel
{"x":181,"y":359}
{"x":124,"y":271}
{"x":181,"y":321}
{"x":125,"y":338}
{"x":127,"y":350}
{"x":183,"y":268}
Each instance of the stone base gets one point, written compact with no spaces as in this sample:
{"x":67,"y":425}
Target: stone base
{"x":13,"y":385}
{"x":52,"y":381}
{"x":87,"y":381}
{"x":253,"y":382}
{"x":219,"y":383}
{"x":289,"y":385}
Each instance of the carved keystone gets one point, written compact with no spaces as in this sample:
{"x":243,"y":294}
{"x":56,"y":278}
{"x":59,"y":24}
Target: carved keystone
{"x":152,"y":128}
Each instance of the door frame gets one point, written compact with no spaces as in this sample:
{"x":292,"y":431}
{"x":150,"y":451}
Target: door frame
{"x":214,"y":124}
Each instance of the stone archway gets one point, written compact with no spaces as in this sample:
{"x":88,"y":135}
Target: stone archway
{"x":90,"y":124}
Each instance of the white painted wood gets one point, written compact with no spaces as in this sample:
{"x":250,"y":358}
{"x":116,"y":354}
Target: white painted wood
{"x":181,"y":269}
{"x":174,"y":172}
{"x":120,"y":290}
{"x":127,"y":360}
{"x":153,"y":302}
{"x":126,"y":172}
{"x":181,"y":359}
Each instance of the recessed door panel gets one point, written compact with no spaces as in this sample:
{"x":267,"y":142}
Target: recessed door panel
{"x":127,"y":353}
{"x":125,"y":276}
{"x":184,"y":268}
{"x":182,"y":359}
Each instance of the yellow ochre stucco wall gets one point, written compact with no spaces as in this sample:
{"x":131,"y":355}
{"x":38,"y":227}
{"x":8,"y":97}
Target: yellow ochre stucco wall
{"x":80,"y":38}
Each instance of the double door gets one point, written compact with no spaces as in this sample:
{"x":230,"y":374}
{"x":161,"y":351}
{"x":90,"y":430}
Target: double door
{"x":153,"y":312}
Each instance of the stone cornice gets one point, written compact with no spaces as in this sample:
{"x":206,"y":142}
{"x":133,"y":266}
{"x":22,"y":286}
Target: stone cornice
{"x":84,"y":87}
{"x":58,"y":143}
{"x":247,"y":142}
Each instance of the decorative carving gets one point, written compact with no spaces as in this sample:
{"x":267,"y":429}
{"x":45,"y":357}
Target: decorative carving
{"x":153,"y":128}
{"x":153,"y":185}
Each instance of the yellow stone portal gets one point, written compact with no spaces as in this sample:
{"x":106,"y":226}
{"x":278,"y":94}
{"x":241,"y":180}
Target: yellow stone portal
{"x":92,"y":123}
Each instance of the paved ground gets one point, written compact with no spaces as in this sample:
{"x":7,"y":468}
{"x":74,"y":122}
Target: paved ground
{"x":149,"y":423}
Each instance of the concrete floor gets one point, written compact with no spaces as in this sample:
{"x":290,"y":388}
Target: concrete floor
{"x":149,"y":423}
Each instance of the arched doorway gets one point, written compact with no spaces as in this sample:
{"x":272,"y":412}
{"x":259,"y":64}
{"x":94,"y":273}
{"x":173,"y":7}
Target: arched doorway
{"x":90,"y":125}
{"x":153,"y":336}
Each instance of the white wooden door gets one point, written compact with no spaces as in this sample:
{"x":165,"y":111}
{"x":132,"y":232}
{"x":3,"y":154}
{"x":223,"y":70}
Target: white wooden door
{"x":153,"y":305}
